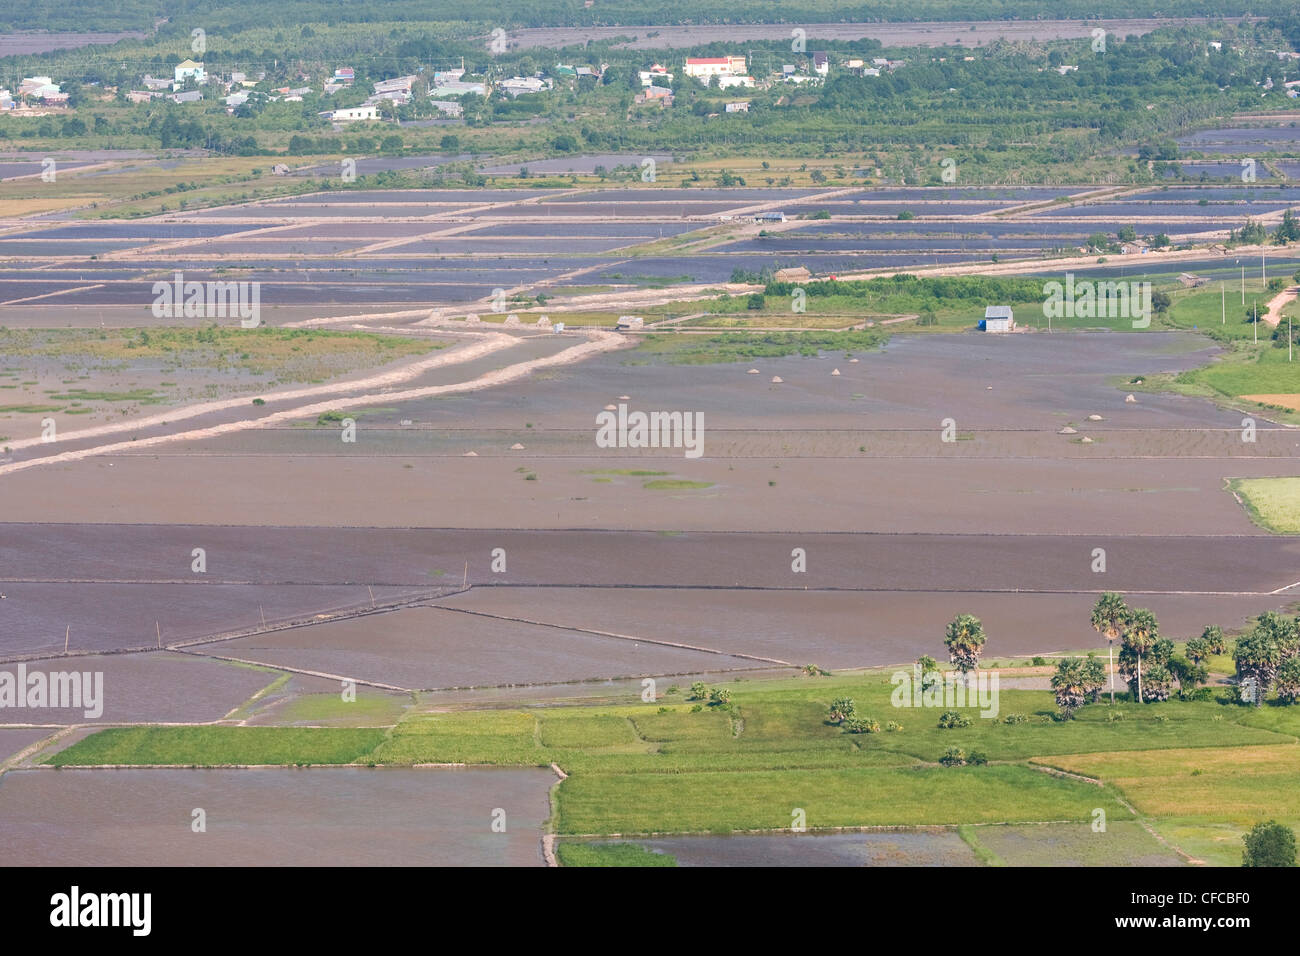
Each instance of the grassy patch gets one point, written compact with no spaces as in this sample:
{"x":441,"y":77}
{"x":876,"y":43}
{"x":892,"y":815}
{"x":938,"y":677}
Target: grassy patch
{"x":745,"y":800}
{"x":1272,"y":503}
{"x":675,"y":484}
{"x":220,"y":746}
{"x":736,"y":347}
{"x":1238,"y":785}
{"x":610,"y":854}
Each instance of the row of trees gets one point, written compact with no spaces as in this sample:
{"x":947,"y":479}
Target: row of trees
{"x":1266,"y":657}
{"x":1253,"y":233}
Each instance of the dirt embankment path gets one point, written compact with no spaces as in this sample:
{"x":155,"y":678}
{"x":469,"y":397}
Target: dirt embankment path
{"x":1279,"y":302}
{"x":404,"y":373}
{"x":596,"y":343}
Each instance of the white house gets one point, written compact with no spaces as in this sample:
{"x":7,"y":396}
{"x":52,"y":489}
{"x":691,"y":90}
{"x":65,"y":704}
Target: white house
{"x":656,"y":73}
{"x":36,"y":85}
{"x":726,"y":82}
{"x":352,"y":114}
{"x":821,"y":64}
{"x":999,"y":318}
{"x":704,"y":67}
{"x":187,"y":70}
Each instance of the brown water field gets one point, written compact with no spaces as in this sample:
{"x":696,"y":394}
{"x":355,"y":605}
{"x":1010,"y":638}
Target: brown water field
{"x":274,"y":817}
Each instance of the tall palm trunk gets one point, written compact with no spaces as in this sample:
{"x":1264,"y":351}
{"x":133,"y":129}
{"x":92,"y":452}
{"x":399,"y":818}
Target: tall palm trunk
{"x":1139,"y":700}
{"x":1110,"y":652}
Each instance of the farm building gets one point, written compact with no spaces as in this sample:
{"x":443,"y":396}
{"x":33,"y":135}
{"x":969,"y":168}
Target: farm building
{"x":998,"y":318}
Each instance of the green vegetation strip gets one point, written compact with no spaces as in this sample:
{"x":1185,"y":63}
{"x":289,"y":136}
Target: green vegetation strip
{"x":219,"y":746}
{"x":610,"y":854}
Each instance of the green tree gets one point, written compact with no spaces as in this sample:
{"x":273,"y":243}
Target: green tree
{"x":1257,"y":656}
{"x":1288,"y":680}
{"x":1139,"y":637}
{"x":1269,"y":844}
{"x":1189,"y":675}
{"x":1108,"y":617}
{"x":1094,"y":678}
{"x":1068,"y":685}
{"x":965,"y":642}
{"x":1288,"y":230}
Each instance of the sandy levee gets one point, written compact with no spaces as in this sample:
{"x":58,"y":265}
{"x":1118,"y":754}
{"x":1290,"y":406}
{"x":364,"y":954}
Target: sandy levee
{"x":595,"y":343}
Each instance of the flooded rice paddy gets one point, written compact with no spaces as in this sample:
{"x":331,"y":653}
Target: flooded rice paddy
{"x":273,"y":817}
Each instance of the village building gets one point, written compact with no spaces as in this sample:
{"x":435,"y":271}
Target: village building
{"x":705,"y":67}
{"x":998,"y":318}
{"x":189,"y":70}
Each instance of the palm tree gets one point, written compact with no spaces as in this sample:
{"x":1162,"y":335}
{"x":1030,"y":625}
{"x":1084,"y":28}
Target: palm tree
{"x":1288,"y":681}
{"x":1140,"y":634}
{"x":1108,"y":617}
{"x":1258,"y":656}
{"x":1068,"y":683}
{"x":965,"y":640}
{"x":1213,"y":638}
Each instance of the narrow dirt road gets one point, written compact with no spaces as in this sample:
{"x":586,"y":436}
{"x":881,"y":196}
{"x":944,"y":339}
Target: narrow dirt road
{"x":1276,"y":304}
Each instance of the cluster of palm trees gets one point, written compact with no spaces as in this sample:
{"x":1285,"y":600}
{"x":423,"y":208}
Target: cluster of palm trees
{"x":1270,"y":655}
{"x":1077,"y":681}
{"x":1144,"y":656}
{"x":1147,"y":661}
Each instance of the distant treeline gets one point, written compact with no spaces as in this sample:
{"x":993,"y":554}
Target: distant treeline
{"x":96,"y":15}
{"x":937,"y":291}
